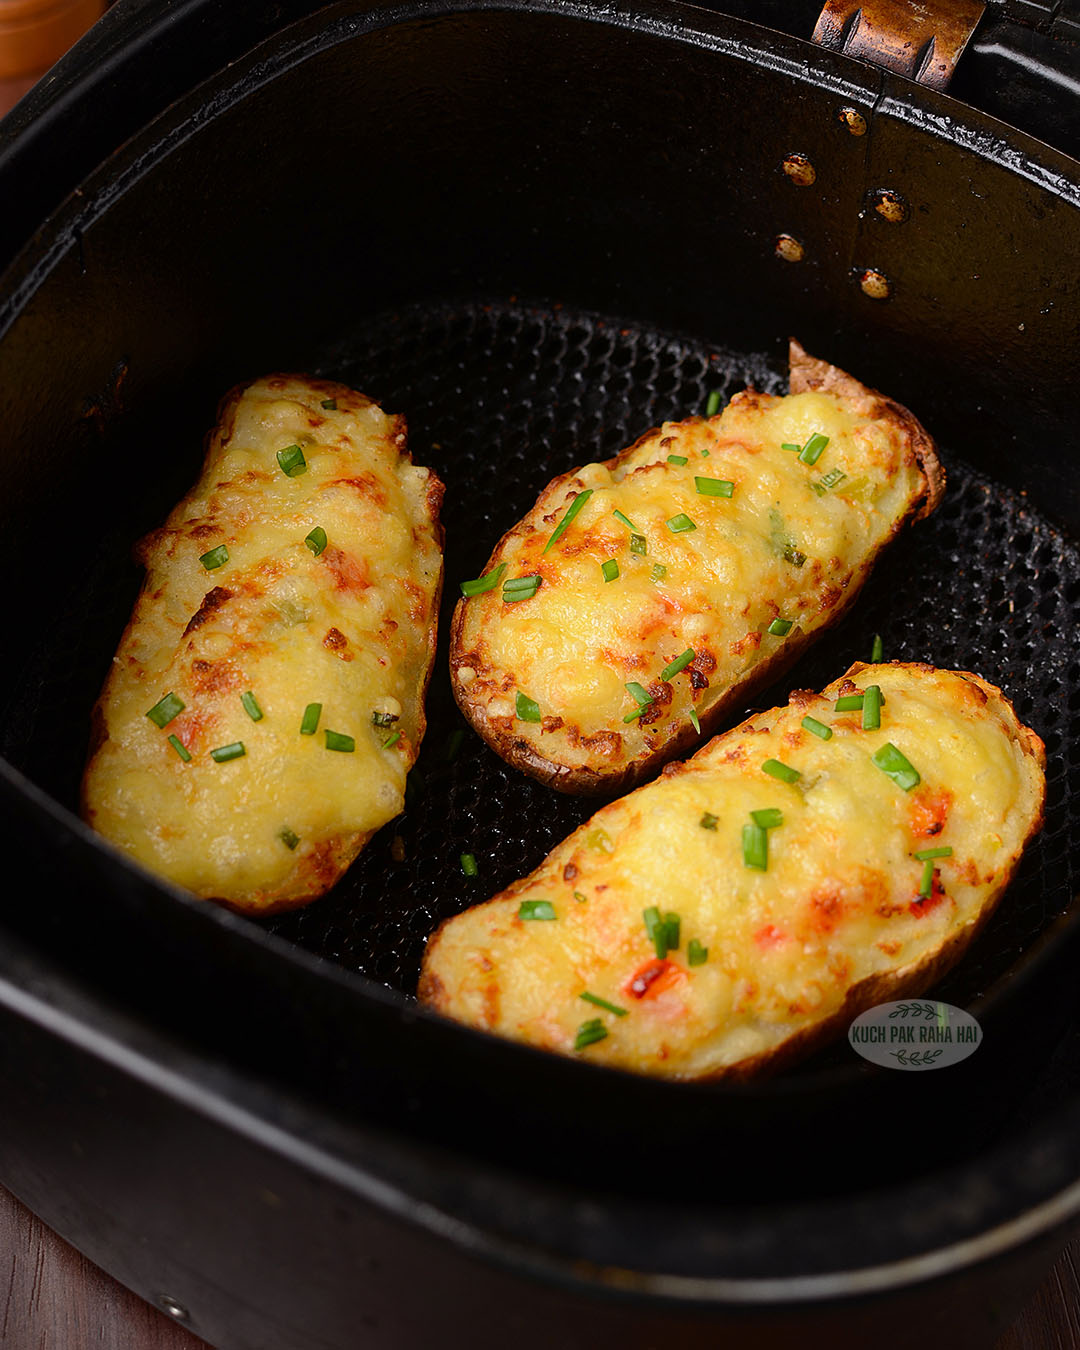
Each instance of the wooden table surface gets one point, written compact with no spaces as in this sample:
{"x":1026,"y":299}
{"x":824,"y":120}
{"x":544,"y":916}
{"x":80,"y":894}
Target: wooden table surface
{"x":52,"y":1298}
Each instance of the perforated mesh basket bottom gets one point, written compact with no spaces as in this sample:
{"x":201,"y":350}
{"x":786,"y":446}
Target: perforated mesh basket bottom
{"x":499,"y":399}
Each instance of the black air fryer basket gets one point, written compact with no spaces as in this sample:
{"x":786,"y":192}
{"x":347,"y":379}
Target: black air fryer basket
{"x":536,"y":230}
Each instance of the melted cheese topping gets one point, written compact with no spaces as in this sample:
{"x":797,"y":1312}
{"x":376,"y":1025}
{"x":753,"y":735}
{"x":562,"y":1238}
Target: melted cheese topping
{"x":835,"y":923}
{"x":792,"y":542}
{"x":352,"y":628}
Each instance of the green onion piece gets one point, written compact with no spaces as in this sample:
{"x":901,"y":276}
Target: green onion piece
{"x":927,"y":853}
{"x":794,"y":556}
{"x":877,"y":651}
{"x":216,"y":557}
{"x":926,"y":885}
{"x":712,"y":403}
{"x":589,"y":1033}
{"x":330,"y":404}
{"x":625,"y":521}
{"x":390,"y":741}
{"x":769,"y":817}
{"x":536,"y":909}
{"x":581,"y":899}
{"x":487,"y":582}
{"x":288,"y":837}
{"x":755,"y":847}
{"x":656,"y":930}
{"x":633,"y":716}
{"x":696,"y":954}
{"x":818,"y":728}
{"x":180,"y":748}
{"x":871,"y":709}
{"x":680,"y":663}
{"x":639,"y":694}
{"x":520,"y":588}
{"x":787,"y":445}
{"x":574,"y":507}
{"x":383,"y":719}
{"x":708,"y":821}
{"x":894,"y":764}
{"x":811,"y":451}
{"x":226,"y":752}
{"x":828,"y":482}
{"x":468,"y":865}
{"x":528,"y":710}
{"x":337,"y":740}
{"x":775,"y":769}
{"x":603,"y":1003}
{"x":694,"y":721}
{"x":316,"y":540}
{"x":658,"y":573}
{"x":704,"y":453}
{"x":454,"y":742}
{"x":251,"y":706}
{"x":671,"y":931}
{"x":676,"y":459}
{"x":610,"y":570}
{"x":521,"y":583}
{"x":163,"y":712}
{"x":849,"y":703}
{"x":681,"y":523}
{"x":780,"y":627}
{"x":292,"y":461}
{"x":638,"y":545}
{"x":310,"y":722}
{"x":714,"y":487}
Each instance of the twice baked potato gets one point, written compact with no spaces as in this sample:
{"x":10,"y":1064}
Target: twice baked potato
{"x":644,"y":599}
{"x":267,"y":697}
{"x":808,"y":864}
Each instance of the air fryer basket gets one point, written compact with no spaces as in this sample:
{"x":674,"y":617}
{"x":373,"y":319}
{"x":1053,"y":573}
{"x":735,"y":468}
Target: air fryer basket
{"x":537,"y":231}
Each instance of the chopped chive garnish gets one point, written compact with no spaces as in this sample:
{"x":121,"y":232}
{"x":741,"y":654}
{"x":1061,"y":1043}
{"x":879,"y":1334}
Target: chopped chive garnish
{"x":468,"y":865}
{"x":708,"y":821}
{"x":926,"y":885}
{"x":769,"y":817}
{"x":390,"y":741}
{"x":639,"y":693}
{"x":680,"y":663}
{"x":581,"y":899}
{"x":755,"y":847}
{"x":811,"y":451}
{"x":871,"y":708}
{"x":487,"y":582}
{"x":528,"y":710}
{"x":454,"y":742}
{"x":536,"y":909}
{"x":780,"y":627}
{"x":572,"y":510}
{"x":894,"y":764}
{"x":610,"y":570}
{"x":589,"y":1033}
{"x":292,"y":461}
{"x":383,"y":719}
{"x":310,"y":722}
{"x":163,"y":712}
{"x":638,"y":545}
{"x":656,"y":929}
{"x":216,"y":557}
{"x":712,"y":403}
{"x":794,"y":556}
{"x":681,"y":523}
{"x":714,"y":487}
{"x":704,"y":453}
{"x":877,"y":651}
{"x":330,"y":404}
{"x":658,"y":573}
{"x":786,"y":774}
{"x":288,"y":837}
{"x":520,"y":588}
{"x":671,"y":931}
{"x":787,"y":445}
{"x":180,"y":748}
{"x":696,"y":954}
{"x":226,"y":752}
{"x":316,"y":540}
{"x":925,"y":854}
{"x":603,"y":1003}
{"x":817,"y":728}
{"x":520,"y":583}
{"x":829,"y":481}
{"x":694,"y":721}
{"x":633,"y":716}
{"x":849,"y":703}
{"x":337,"y":740}
{"x":251,"y":706}
{"x":676,"y":459}
{"x":625,"y":520}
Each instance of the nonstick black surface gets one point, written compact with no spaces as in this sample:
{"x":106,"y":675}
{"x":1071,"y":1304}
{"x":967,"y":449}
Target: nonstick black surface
{"x":500,"y":397}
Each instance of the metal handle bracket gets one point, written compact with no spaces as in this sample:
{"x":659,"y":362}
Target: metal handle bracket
{"x":921,"y":39}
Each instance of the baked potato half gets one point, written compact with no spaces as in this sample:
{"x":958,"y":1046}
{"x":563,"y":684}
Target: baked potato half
{"x":267,"y":697}
{"x":733,"y":914}
{"x":649,"y":596}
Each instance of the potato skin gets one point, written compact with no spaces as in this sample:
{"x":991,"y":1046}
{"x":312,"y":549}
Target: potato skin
{"x":351,"y":627}
{"x":834,"y":925}
{"x":576,"y":644}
